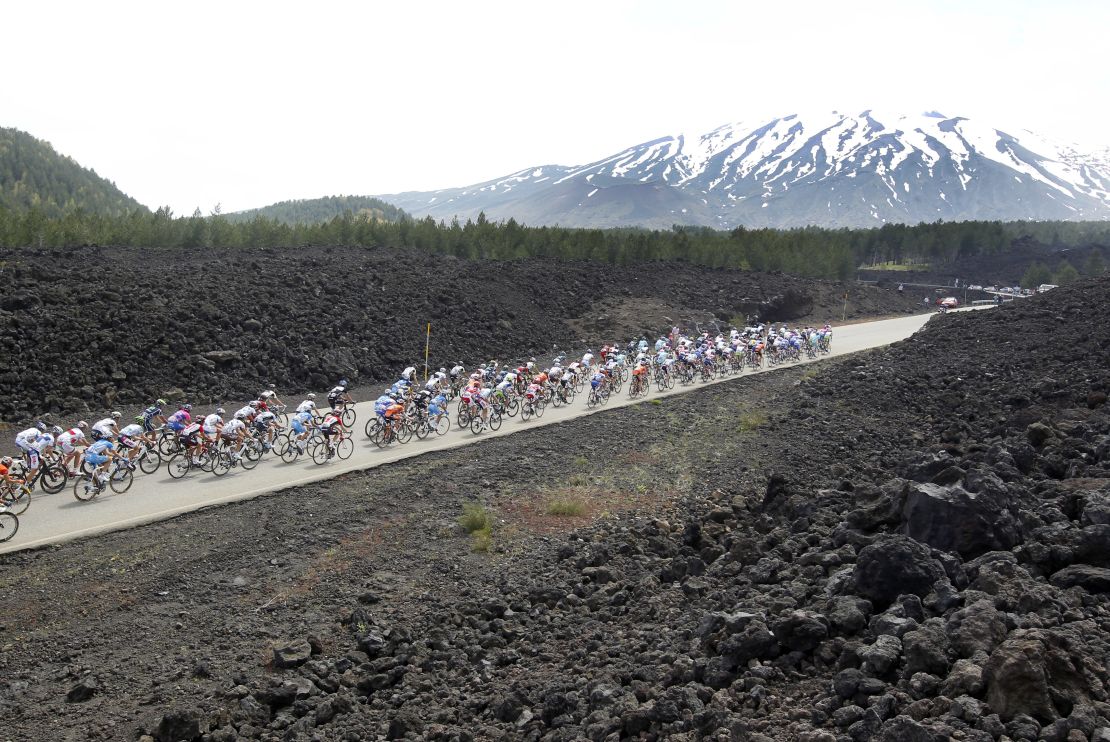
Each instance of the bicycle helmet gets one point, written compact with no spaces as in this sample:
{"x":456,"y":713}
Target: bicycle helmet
{"x":57,"y":430}
{"x":41,"y":426}
{"x":116,"y":415}
{"x":161,"y":403}
{"x":83,"y":425}
{"x":6,"y":461}
{"x":219,"y":410}
{"x":253,"y":405}
{"x":443,"y":370}
{"x":343,"y":383}
{"x":270,"y":387}
{"x":312,"y":395}
{"x":187,"y":407}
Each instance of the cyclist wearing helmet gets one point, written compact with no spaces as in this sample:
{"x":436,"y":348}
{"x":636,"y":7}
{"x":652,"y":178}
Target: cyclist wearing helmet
{"x":269,"y":396}
{"x":43,"y":445}
{"x":5,"y":471}
{"x":309,"y":404}
{"x":108,"y":427}
{"x":409,"y":374}
{"x":265,"y":422}
{"x":26,"y":443}
{"x":68,"y":441}
{"x":588,"y":359}
{"x":178,"y":420}
{"x":152,"y":417}
{"x":97,"y":456}
{"x":247,"y":412}
{"x":339,"y":395}
{"x":129,"y":436}
{"x":213,"y":423}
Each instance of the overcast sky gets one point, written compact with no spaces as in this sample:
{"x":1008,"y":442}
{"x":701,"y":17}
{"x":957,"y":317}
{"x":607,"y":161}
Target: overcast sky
{"x":242,"y":103}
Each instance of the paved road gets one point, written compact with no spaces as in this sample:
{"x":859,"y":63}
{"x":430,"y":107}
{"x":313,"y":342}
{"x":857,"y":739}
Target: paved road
{"x":60,"y":517}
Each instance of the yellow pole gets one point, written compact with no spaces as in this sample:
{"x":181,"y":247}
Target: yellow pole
{"x":427,"y":347}
{"x":844,"y":312}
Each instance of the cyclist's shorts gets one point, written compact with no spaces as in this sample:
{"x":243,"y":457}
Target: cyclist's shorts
{"x":298,"y":427}
{"x":126,"y":441}
{"x":95,"y":459}
{"x":175,"y":426}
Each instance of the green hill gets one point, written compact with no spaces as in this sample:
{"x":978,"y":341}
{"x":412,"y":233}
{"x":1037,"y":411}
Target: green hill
{"x":317,"y":210}
{"x":33,"y":175}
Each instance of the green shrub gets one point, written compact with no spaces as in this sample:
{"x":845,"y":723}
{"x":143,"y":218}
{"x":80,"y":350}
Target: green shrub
{"x":751,"y":420}
{"x":474,"y":518}
{"x":483,"y":540}
{"x":569,"y":507}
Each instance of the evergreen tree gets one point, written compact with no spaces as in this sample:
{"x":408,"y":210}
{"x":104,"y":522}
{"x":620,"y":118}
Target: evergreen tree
{"x":1037,"y":274}
{"x":1065,"y":274}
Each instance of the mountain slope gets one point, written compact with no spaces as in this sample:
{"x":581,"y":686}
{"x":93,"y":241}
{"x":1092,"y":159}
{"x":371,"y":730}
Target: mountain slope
{"x":831,"y":169}
{"x":311,"y":211}
{"x":33,"y":175}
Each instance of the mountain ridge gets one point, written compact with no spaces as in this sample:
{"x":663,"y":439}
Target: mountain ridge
{"x":830,"y":169}
{"x":34,"y":175}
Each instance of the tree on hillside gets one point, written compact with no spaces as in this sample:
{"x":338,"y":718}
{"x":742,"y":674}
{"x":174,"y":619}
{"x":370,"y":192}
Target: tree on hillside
{"x":1094,"y":265}
{"x":1065,"y":274}
{"x":1037,"y":274}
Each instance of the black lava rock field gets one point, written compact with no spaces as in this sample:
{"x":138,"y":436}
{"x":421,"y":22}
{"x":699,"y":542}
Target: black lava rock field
{"x":912,"y":543}
{"x":88,"y":329}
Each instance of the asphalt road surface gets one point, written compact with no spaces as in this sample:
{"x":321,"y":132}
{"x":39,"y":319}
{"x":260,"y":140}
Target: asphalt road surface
{"x":60,"y":517}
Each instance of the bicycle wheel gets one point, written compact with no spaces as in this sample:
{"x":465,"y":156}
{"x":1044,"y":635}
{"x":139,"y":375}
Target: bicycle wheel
{"x":512,"y":407}
{"x":121,"y":480}
{"x":404,"y":431}
{"x":150,"y":460}
{"x":495,"y":420}
{"x":251,"y":454}
{"x":222,"y":464}
{"x":346,"y":449}
{"x":168,"y":444}
{"x":423,"y":429}
{"x":179,"y":465}
{"x":527,"y":410}
{"x":442,"y":425}
{"x":477,"y":425}
{"x":593,"y":399}
{"x":9,"y":525}
{"x":320,"y":452}
{"x":556,"y":399}
{"x":348,"y":416}
{"x":53,"y":478}
{"x":17,"y":499}
{"x":84,"y":489}
{"x":290,"y":452}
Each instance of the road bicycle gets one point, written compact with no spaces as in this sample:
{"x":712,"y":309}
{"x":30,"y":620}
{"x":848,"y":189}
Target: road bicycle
{"x":121,"y":475}
{"x":325,"y":450}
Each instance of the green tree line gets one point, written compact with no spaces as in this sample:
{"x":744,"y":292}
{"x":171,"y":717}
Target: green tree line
{"x":309,"y":211}
{"x":811,"y":251}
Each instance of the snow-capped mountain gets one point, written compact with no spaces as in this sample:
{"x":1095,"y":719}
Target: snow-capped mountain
{"x":829,"y":169}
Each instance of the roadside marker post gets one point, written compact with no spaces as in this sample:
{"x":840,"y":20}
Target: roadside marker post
{"x":427,"y":346}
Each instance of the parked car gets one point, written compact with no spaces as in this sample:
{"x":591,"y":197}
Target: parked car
{"x":948,"y":302}
{"x":975,"y":287}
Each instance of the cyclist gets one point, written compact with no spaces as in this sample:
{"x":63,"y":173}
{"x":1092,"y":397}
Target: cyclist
{"x":309,"y":404}
{"x":639,"y":376}
{"x":213,"y":424}
{"x":265,"y":422}
{"x":191,"y":440}
{"x":269,"y":396}
{"x":301,"y":423}
{"x":234,"y":434}
{"x":409,"y":374}
{"x":339,"y":395}
{"x":5,"y":471}
{"x":97,"y":456}
{"x":26,"y":443}
{"x":437,"y":408}
{"x":178,"y":420}
{"x":44,"y":444}
{"x":588,"y":359}
{"x":152,"y":417}
{"x":68,"y":441}
{"x":128,"y":438}
{"x":108,"y":427}
{"x":331,"y":425}
{"x":247,"y":412}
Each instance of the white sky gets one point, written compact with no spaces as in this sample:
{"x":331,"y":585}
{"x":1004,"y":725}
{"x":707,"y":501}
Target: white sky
{"x":245,"y":103}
